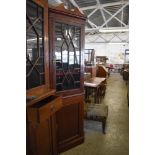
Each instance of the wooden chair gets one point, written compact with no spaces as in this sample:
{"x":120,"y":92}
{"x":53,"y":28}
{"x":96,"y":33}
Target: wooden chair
{"x":98,"y":114}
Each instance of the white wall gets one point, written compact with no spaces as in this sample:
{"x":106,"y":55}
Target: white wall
{"x":115,"y":52}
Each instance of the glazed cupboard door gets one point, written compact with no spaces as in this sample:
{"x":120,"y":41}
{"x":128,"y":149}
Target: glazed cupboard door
{"x":66,"y":32}
{"x":37,"y":59}
{"x":67,"y":56}
{"x":42,"y":104}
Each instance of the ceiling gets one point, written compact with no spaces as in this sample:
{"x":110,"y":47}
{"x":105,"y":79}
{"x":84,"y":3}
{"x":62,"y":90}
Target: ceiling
{"x":103,"y":16}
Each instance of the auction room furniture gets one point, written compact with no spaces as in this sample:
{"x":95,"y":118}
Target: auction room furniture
{"x":42,"y":103}
{"x":96,"y":84}
{"x":89,"y":58}
{"x":54,"y":78}
{"x":66,"y":30}
{"x":101,"y":59}
{"x":99,"y":114}
{"x":101,"y":71}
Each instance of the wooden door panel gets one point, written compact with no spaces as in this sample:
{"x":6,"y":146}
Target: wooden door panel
{"x":40,"y":138}
{"x":68,"y":122}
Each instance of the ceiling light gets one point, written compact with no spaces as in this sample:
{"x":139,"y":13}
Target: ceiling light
{"x":112,"y":30}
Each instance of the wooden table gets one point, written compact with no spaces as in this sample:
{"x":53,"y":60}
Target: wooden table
{"x":93,"y":83}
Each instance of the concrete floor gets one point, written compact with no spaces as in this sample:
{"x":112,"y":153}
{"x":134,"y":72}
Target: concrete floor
{"x":116,"y":139}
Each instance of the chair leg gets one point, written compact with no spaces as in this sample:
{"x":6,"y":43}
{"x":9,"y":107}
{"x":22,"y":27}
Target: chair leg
{"x":103,"y":125}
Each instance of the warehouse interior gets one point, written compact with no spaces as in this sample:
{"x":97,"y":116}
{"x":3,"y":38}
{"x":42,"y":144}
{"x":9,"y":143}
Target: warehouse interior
{"x":71,"y":93}
{"x":77,"y":77}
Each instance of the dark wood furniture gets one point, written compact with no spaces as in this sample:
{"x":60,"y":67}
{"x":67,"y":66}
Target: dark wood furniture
{"x":42,"y":103}
{"x":98,"y":85}
{"x":41,"y":125}
{"x":98,"y":114}
{"x":101,"y":71}
{"x":37,"y":59}
{"x":66,"y":30}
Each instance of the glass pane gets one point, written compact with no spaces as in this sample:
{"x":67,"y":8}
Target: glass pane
{"x":31,"y":9}
{"x":71,"y":58}
{"x":64,"y":56}
{"x":34,"y":45}
{"x":68,"y":54}
{"x":33,"y":79}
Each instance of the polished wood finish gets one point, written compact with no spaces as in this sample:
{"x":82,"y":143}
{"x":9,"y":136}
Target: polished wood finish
{"x":41,"y":126}
{"x":42,"y":105}
{"x":70,"y":118}
{"x":70,"y":122}
{"x":41,"y":89}
{"x":75,"y":13}
{"x":101,"y":71}
{"x":54,"y":124}
{"x":44,"y":108}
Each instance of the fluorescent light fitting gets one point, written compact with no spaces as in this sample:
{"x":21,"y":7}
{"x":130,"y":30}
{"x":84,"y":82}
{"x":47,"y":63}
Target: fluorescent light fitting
{"x":111,"y":30}
{"x":118,"y":43}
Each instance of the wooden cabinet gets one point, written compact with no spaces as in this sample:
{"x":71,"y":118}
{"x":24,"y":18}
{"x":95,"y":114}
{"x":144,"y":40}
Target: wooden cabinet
{"x":54,"y":123}
{"x":42,"y":103}
{"x":66,"y":30}
{"x":41,"y":125}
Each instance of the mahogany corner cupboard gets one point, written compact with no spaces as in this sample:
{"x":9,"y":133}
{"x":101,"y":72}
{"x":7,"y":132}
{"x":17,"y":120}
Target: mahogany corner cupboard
{"x":66,"y":33}
{"x":54,"y":78}
{"x":41,"y":101}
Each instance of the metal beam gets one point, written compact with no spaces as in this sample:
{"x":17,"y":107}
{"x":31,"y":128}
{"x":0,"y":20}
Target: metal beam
{"x":92,"y":24}
{"x":95,"y":39}
{"x":108,"y":42}
{"x":117,"y":35}
{"x":122,"y":15}
{"x":111,"y":38}
{"x":103,"y":5}
{"x":102,"y":37}
{"x":114,"y":17}
{"x":92,"y":12}
{"x":109,"y":29}
{"x":115,"y":14}
{"x":75,"y":4}
{"x":103,"y":16}
{"x":108,"y":38}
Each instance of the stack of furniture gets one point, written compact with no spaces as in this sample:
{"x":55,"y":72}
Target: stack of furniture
{"x":90,"y":66}
{"x":101,"y":60}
